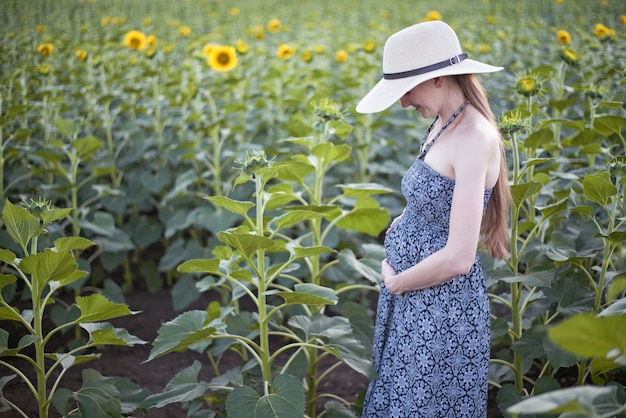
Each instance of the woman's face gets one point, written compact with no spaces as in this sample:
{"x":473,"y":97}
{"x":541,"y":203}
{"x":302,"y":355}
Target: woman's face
{"x":421,"y":98}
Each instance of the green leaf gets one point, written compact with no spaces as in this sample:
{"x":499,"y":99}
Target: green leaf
{"x":248,"y":244}
{"x":507,"y":396}
{"x":360,"y":322}
{"x":5,"y":280}
{"x":339,"y":128}
{"x":67,"y":128}
{"x":616,"y":237}
{"x":184,"y":387}
{"x":309,"y":294}
{"x":235,"y":206}
{"x":369,"y":221}
{"x":577,"y":399}
{"x":7,"y":256}
{"x":608,"y":124}
{"x":556,"y":355}
{"x":286,"y":400}
{"x":319,"y":325}
{"x":10,"y":314}
{"x":294,"y":217}
{"x":554,"y":208}
{"x":349,"y":259}
{"x":571,"y":296}
{"x":103,"y":333}
{"x":329,"y":152}
{"x":618,"y":307}
{"x":618,"y":286}
{"x":363,"y":189}
{"x":539,"y":138}
{"x":72,"y":243}
{"x":279,"y":195}
{"x":50,"y":266}
{"x":98,"y":397}
{"x":94,"y":308}
{"x":87,"y":146}
{"x":600,"y":338}
{"x":3,"y":381}
{"x":200,"y":266}
{"x":336,"y":409}
{"x":530,"y":345}
{"x":304,"y":252}
{"x":521,"y":192}
{"x":178,"y":334}
{"x":20,"y":224}
{"x":598,"y":187}
{"x":67,"y":361}
{"x":242,"y":402}
{"x":541,"y":278}
{"x":294,"y":170}
{"x":53,"y":215}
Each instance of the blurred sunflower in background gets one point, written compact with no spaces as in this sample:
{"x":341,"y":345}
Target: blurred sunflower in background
{"x":222,"y":58}
{"x":135,"y":39}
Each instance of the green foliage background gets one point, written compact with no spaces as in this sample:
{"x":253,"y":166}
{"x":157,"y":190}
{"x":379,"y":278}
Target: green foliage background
{"x":145,"y":150}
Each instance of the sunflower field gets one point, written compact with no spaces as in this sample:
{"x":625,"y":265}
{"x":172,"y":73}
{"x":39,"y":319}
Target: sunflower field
{"x":212,"y":146}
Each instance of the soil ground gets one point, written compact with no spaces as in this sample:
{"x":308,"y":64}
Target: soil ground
{"x":128,"y":362}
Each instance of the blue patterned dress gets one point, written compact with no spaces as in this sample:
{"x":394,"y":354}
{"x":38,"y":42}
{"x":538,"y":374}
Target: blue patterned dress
{"x":431,"y":346}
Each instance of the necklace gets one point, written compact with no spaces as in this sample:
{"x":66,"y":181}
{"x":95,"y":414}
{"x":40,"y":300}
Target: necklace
{"x":426,"y":145}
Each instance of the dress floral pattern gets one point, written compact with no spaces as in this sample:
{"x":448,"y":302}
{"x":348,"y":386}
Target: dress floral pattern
{"x":431,"y":346}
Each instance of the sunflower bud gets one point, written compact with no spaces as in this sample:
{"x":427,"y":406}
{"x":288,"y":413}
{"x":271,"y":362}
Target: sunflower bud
{"x":569,"y":56}
{"x":528,"y":85}
{"x":511,"y":123}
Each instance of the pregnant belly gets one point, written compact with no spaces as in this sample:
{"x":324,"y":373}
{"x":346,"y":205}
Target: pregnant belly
{"x":409,"y":242}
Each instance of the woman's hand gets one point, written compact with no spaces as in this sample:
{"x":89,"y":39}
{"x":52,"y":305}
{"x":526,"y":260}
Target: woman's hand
{"x":395,"y":221}
{"x":390,"y":278}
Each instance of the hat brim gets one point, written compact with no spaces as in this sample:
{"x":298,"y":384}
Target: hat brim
{"x":387,"y":92}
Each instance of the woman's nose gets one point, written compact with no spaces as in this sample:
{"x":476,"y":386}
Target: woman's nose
{"x":404,"y":101}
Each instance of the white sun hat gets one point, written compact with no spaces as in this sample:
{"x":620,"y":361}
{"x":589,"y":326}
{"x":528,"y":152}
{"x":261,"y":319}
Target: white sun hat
{"x":416,"y":54}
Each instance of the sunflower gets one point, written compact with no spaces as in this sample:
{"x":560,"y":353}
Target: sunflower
{"x":341,"y":56}
{"x":433,"y":15}
{"x":369,"y":46}
{"x":258,"y":32}
{"x":81,"y":54}
{"x":45,"y":49}
{"x":135,"y":39}
{"x":242,"y":47}
{"x":273,"y":25}
{"x":569,"y":56}
{"x":285,"y":51}
{"x":223,"y":58}
{"x":601,"y":31}
{"x":306,"y":55}
{"x":184,"y":31}
{"x":563,"y":37}
{"x":152,"y":40}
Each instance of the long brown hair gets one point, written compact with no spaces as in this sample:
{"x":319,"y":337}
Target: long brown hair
{"x":495,"y":235}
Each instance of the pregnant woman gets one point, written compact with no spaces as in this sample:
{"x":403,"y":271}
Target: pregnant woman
{"x":431,"y":346}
